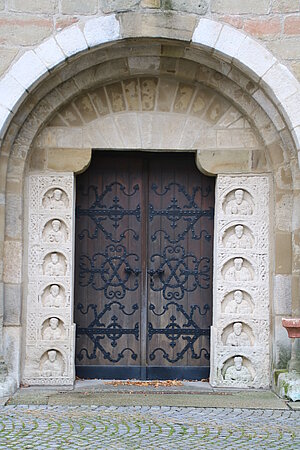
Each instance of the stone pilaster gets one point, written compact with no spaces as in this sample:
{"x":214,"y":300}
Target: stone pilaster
{"x":241,"y":324}
{"x":50,"y":331}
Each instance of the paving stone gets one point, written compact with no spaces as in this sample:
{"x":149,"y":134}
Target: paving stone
{"x":151,"y":427}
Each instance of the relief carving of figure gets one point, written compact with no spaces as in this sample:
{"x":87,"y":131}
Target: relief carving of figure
{"x":238,"y":336}
{"x":54,"y":298}
{"x":56,"y":201}
{"x":52,"y":366}
{"x":52,"y":331}
{"x":238,"y":372}
{"x":55,"y":233}
{"x":239,"y":205}
{"x":238,"y":272}
{"x":238,"y":305}
{"x":54,"y":267}
{"x":239,"y":239}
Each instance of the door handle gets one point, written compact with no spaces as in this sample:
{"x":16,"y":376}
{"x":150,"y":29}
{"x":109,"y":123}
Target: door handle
{"x":130,"y":270}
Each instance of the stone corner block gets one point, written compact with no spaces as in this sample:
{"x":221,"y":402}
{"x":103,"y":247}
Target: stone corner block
{"x":11,"y":92}
{"x":102,"y":29}
{"x":50,"y":53}
{"x":71,"y":41}
{"x":28,"y":69}
{"x":254,"y":58}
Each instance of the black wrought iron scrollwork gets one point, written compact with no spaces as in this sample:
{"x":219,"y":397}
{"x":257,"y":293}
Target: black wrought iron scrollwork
{"x":189,"y":331}
{"x":100,"y":212}
{"x":110,"y":271}
{"x":97,"y":330}
{"x":189,"y":213}
{"x":178,"y":272}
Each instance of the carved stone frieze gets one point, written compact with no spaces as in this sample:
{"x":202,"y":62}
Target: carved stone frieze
{"x":240,"y":332}
{"x":49,"y":328}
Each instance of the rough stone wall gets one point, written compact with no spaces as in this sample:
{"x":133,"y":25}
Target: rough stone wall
{"x":25,"y":23}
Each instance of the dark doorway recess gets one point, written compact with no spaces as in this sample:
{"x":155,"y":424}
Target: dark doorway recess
{"x":143,"y":279}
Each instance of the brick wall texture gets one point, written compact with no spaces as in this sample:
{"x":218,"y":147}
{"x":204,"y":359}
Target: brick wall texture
{"x":25,"y":23}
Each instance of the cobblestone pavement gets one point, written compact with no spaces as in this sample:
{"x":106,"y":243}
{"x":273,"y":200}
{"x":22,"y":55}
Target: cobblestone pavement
{"x":41,"y":427}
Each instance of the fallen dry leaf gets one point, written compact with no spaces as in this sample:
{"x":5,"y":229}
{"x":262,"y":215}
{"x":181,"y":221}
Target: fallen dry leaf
{"x":155,"y":383}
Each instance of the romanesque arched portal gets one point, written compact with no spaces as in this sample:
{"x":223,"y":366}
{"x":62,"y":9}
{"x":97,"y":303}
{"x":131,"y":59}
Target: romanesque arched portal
{"x":193,"y":93}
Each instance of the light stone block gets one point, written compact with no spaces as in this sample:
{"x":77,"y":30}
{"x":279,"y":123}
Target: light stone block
{"x":13,"y":229}
{"x":280,"y":82}
{"x":254,"y":58}
{"x":241,"y":284}
{"x":33,"y":6}
{"x":198,"y":7}
{"x":13,"y":302}
{"x":101,"y":30}
{"x":291,"y":110}
{"x":50,"y":53}
{"x":283,"y":295}
{"x":206,"y":33}
{"x":228,"y":42}
{"x":108,"y":6}
{"x":50,"y":357}
{"x":240,"y":7}
{"x":86,"y":7}
{"x":12,"y":262}
{"x":281,"y":344}
{"x":5,"y":117}
{"x":11,"y":92}
{"x":28,"y":69}
{"x":71,"y":41}
{"x":12,"y":352}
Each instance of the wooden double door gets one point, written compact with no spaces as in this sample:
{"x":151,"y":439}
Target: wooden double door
{"x":143,"y":279}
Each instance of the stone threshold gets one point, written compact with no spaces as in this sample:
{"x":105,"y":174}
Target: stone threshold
{"x":191,"y":394}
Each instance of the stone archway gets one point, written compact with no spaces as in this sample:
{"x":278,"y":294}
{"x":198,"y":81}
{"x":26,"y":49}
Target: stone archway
{"x":209,"y":45}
